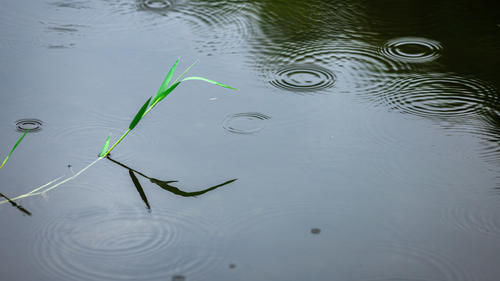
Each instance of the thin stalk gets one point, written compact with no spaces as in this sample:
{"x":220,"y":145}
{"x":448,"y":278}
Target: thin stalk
{"x":185,"y":71}
{"x":117,"y":142}
{"x":70,"y":178}
{"x":151,"y":107}
{"x":31,"y":193}
{"x":37,"y":191}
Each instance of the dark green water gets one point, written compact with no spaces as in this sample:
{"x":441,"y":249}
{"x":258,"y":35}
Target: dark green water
{"x":364,"y":140}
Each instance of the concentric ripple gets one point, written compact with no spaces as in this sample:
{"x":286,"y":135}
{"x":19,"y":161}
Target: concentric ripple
{"x":127,"y":244}
{"x":440,"y":96}
{"x":412,"y":49}
{"x":217,"y":25}
{"x":33,"y":125}
{"x":349,"y":66}
{"x":245,"y":123}
{"x":303,"y":78}
{"x":154,"y":5}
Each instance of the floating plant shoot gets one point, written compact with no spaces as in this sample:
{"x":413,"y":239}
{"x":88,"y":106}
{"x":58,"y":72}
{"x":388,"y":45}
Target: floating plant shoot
{"x":14,"y":148}
{"x":165,"y":89}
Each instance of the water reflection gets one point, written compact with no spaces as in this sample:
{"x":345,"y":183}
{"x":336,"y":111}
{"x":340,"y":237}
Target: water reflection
{"x":165,"y":185}
{"x":301,"y":21}
{"x":139,"y":188}
{"x":16,"y":205}
{"x":404,"y":56}
{"x":490,"y":134}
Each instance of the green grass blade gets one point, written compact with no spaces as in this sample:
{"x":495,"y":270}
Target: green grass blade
{"x":168,"y":91}
{"x":139,"y":115}
{"x":105,"y":147}
{"x":209,"y":81}
{"x":166,"y":81}
{"x":185,"y":71}
{"x":17,"y":143}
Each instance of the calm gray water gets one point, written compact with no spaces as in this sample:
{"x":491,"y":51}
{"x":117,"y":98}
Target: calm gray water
{"x":364,"y":140}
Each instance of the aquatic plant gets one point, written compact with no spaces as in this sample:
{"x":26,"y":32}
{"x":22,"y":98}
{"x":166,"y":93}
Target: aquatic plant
{"x":12,"y":150}
{"x":165,"y":89}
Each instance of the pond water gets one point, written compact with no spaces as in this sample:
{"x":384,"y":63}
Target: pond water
{"x":363,"y":143}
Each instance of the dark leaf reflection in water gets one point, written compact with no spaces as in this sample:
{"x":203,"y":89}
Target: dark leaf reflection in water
{"x":380,"y":161}
{"x":166,"y":185}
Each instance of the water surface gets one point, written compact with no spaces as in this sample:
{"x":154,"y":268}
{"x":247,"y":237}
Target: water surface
{"x":363,"y":143}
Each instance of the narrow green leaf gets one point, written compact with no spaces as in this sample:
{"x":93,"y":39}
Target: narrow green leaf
{"x":139,"y":115}
{"x":17,"y":143}
{"x":185,"y":71}
{"x":105,"y":147}
{"x":168,"y":91}
{"x":166,"y":81}
{"x":209,"y":81}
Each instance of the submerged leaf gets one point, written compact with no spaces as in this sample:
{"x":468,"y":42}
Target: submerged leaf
{"x":15,"y":145}
{"x":139,"y":115}
{"x":209,"y":81}
{"x":168,"y":91}
{"x":166,"y":81}
{"x":105,"y":147}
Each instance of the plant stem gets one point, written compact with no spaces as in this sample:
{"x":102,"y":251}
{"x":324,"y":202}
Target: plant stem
{"x":70,"y":178}
{"x":39,"y":191}
{"x":185,"y":71}
{"x":31,"y":193}
{"x":117,"y":142}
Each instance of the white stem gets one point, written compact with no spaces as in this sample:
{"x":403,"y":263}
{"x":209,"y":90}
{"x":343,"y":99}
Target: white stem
{"x":37,"y":191}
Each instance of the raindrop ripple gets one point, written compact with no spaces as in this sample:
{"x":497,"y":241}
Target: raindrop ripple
{"x":33,"y":125}
{"x":349,"y":66}
{"x":125,"y":244}
{"x":412,"y":49}
{"x":303,"y":78}
{"x":244,"y":123}
{"x":154,"y":5}
{"x":439,"y":96}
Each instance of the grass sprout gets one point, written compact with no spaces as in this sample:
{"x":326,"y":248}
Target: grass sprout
{"x":162,"y":92}
{"x":165,"y":89}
